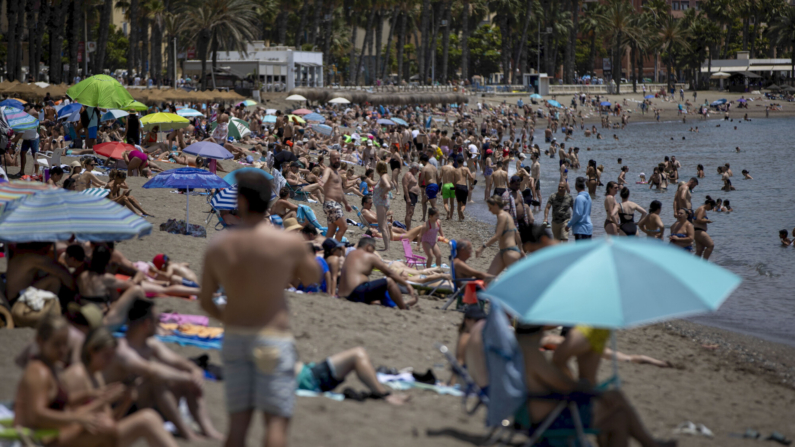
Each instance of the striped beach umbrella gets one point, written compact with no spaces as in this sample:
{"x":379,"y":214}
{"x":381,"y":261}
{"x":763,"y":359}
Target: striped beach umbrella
{"x":19,"y":120}
{"x":58,"y":214}
{"x":16,"y":189}
{"x":237,"y":128}
{"x":188,"y":113}
{"x":226,"y":199}
{"x":96,"y":192}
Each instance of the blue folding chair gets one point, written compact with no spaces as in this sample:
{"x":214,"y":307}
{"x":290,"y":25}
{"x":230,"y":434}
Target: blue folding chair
{"x":458,"y":283}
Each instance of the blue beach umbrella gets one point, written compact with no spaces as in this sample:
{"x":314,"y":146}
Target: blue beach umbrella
{"x":386,"y":122}
{"x":226,"y":199}
{"x":188,"y":113}
{"x":208,"y":149}
{"x":554,"y":103}
{"x":322,"y":129}
{"x":232,"y":180}
{"x":536,"y":96}
{"x":113,"y":114}
{"x":68,"y":110}
{"x":649,"y":97}
{"x":718,"y":102}
{"x":314,"y":117}
{"x":400,"y":121}
{"x":58,"y":214}
{"x":186,"y":178}
{"x":12,"y":103}
{"x":269,"y":119}
{"x":597,"y":283}
{"x":18,"y":119}
{"x":605,"y":104}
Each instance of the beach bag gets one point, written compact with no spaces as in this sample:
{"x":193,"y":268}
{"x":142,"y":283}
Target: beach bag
{"x":33,"y":304}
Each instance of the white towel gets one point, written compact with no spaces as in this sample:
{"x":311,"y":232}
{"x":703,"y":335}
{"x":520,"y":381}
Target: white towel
{"x":35,"y":298}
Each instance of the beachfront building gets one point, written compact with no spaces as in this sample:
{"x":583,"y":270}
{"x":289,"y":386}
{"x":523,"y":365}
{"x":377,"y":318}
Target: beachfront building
{"x":277,"y":68}
{"x":744,"y":71}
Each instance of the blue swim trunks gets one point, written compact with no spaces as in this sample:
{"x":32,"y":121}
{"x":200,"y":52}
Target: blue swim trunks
{"x":432,"y":190}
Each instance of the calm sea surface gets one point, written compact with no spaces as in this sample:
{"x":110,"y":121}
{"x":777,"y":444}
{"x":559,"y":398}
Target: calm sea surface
{"x":746,"y":240}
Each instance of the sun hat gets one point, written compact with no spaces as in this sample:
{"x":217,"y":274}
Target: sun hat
{"x":292,"y":224}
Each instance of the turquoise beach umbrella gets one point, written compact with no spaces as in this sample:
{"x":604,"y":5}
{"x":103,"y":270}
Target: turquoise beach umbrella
{"x":536,"y":96}
{"x":554,"y":103}
{"x":613,"y":283}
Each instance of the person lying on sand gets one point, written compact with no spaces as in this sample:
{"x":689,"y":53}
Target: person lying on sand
{"x":331,"y":372}
{"x":162,"y":377}
{"x":609,"y":412}
{"x":355,"y":284}
{"x":587,"y":345}
{"x":178,"y":271}
{"x":44,"y":401}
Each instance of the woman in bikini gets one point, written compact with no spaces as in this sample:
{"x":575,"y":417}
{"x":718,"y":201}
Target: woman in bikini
{"x":381,"y":201}
{"x":488,"y":169}
{"x":120,"y":193}
{"x":611,"y":209}
{"x":682,"y":233}
{"x":652,"y":224}
{"x":626,"y":214}
{"x":43,"y":403}
{"x":593,"y":177}
{"x":87,"y":179}
{"x":507,"y":236}
{"x":704,"y":243}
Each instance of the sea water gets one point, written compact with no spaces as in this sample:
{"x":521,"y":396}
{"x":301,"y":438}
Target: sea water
{"x":746,"y":240}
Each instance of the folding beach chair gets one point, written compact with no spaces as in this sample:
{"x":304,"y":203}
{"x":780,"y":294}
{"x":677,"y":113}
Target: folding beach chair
{"x":458,"y":283}
{"x":297,"y":193}
{"x":10,"y":435}
{"x":364,"y":224}
{"x":507,"y":394}
{"x":411,"y":258}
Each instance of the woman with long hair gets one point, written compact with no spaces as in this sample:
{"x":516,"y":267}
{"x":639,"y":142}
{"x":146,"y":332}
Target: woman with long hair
{"x":507,"y":236}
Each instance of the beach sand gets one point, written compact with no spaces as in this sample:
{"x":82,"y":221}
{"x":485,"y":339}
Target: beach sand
{"x":726,"y":381}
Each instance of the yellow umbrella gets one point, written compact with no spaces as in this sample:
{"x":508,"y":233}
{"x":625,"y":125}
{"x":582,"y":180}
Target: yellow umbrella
{"x":137,"y":106}
{"x":296,"y":118}
{"x":166,"y":121}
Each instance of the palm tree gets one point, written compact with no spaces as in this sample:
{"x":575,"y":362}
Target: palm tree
{"x":154,"y":11}
{"x":76,"y":21}
{"x":672,"y":36}
{"x":102,"y":37}
{"x":592,"y":25}
{"x":57,"y":28}
{"x":656,"y":10}
{"x":783,"y":32}
{"x":618,"y":22}
{"x":465,"y":40}
{"x":638,"y":41}
{"x":571,"y":43}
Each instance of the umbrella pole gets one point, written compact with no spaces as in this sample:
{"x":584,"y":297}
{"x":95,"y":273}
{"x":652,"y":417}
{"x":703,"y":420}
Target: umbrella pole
{"x":614,"y":345}
{"x":187,"y":208}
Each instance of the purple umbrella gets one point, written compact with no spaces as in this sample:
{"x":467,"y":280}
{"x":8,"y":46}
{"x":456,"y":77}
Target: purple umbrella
{"x":208,"y":149}
{"x":741,"y":100}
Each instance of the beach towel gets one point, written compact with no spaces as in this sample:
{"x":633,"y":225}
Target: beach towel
{"x":194,"y":331}
{"x":199,"y":320}
{"x":305,"y":213}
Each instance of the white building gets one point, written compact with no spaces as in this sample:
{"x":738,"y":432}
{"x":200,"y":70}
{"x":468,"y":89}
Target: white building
{"x":277,"y":68}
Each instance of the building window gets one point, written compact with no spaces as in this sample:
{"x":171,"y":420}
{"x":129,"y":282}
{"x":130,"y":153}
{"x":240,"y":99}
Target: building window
{"x":685,"y":5}
{"x":675,"y":6}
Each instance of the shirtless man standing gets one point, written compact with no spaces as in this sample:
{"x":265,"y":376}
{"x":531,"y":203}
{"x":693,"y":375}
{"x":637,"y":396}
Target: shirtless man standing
{"x":499,"y":178}
{"x":411,"y":192}
{"x":356,"y":270}
{"x":254,"y":264}
{"x":683,"y":197}
{"x":535,"y":172}
{"x":332,"y":191}
{"x":462,"y":178}
{"x":448,"y":187}
{"x":429,"y":179}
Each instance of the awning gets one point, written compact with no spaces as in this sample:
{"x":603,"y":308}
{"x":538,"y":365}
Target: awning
{"x":770,"y":68}
{"x":717,"y":68}
{"x":308,"y":64}
{"x":749,"y":74}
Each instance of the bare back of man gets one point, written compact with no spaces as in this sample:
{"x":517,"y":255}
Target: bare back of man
{"x":462,"y":178}
{"x":355,"y":284}
{"x":429,"y":180}
{"x":448,"y":182}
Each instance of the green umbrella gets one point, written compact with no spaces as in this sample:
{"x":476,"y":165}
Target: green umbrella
{"x":100,"y":91}
{"x":137,"y":106}
{"x":237,"y":128}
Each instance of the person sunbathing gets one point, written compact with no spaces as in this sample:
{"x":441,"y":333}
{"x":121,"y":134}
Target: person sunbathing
{"x":121,"y":194}
{"x":609,"y":412}
{"x":294,"y":179}
{"x":43,"y":402}
{"x":87,"y":179}
{"x":32,"y":265}
{"x":151,"y":146}
{"x":164,"y":377}
{"x":462,"y":269}
{"x":577,"y":346}
{"x":180,"y":270}
{"x":356,"y":286}
{"x":282,"y":207}
{"x":350,"y":183}
{"x":327,"y":375}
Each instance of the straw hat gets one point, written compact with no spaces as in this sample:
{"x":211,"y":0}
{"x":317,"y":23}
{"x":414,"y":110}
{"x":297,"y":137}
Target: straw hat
{"x":292,"y":224}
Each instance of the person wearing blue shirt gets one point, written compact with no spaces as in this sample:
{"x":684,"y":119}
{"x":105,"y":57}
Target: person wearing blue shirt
{"x":321,"y":286}
{"x":580,"y":223}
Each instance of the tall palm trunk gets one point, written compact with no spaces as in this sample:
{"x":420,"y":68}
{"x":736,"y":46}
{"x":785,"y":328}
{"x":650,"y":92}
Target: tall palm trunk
{"x":352,"y":62}
{"x":75,"y":25}
{"x":522,"y":40}
{"x":327,"y":33}
{"x":430,"y":65}
{"x":30,"y":19}
{"x":314,"y":29}
{"x":616,"y":68}
{"x":592,"y":53}
{"x":670,"y":67}
{"x":446,"y":40}
{"x":56,"y":25}
{"x":367,"y":34}
{"x":202,"y":42}
{"x":45,"y":10}
{"x":379,"y":31}
{"x":424,"y":31}
{"x":133,"y":37}
{"x":145,"y":62}
{"x":505,"y":50}
{"x":170,"y":59}
{"x":392,"y":25}
{"x":465,"y":40}
{"x":299,"y":33}
{"x":12,"y":57}
{"x":214,"y":50}
{"x":728,"y":40}
{"x":547,"y":50}
{"x":634,"y":55}
{"x":572,"y":43}
{"x":401,"y":44}
{"x":156,"y":67}
{"x":753,"y":35}
{"x":102,"y":38}
{"x":281,"y":27}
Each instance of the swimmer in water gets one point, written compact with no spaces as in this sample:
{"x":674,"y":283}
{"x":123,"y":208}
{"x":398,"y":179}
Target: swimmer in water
{"x":700,"y":171}
{"x":747,"y":175}
{"x":785,"y":241}
{"x":738,"y":148}
{"x":682,"y":232}
{"x":704,"y":243}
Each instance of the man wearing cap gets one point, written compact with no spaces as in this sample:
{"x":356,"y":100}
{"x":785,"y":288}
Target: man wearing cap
{"x":254,"y":264}
{"x":181,"y":270}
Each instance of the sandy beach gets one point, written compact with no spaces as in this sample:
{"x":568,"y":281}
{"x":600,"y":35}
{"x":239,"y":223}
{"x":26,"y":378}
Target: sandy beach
{"x":727,"y":381}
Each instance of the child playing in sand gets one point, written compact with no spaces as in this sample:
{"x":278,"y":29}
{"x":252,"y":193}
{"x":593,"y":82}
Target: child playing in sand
{"x":430,"y":235}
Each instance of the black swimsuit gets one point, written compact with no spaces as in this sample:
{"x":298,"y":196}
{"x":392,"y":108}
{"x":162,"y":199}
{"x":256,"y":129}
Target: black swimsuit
{"x":628,"y":226}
